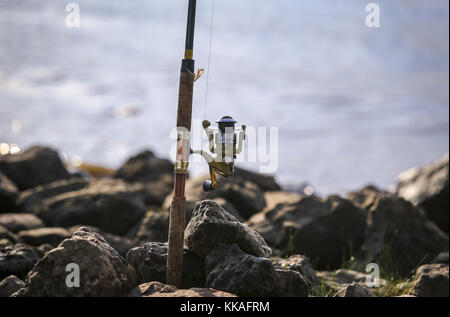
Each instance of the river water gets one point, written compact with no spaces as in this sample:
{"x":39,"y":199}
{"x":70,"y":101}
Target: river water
{"x":353,"y":105}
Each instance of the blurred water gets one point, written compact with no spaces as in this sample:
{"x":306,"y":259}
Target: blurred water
{"x":353,"y":104}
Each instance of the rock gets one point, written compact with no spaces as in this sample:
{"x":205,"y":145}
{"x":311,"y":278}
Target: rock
{"x":120,"y":244}
{"x":157,"y":289}
{"x":111,"y":205}
{"x":30,"y":198}
{"x":244,"y":196}
{"x":211,"y":225}
{"x":365,"y":197}
{"x":263,"y":181}
{"x":322,"y":230}
{"x":399,"y":237}
{"x":144,"y":167}
{"x":6,"y":235}
{"x":17,"y":260}
{"x":36,"y":166}
{"x":431,"y":280}
{"x":150,"y":259}
{"x":10,"y":285}
{"x":37,"y":237}
{"x":273,"y":198}
{"x":44,"y":248}
{"x":190,"y":206}
{"x":19,"y":222}
{"x":153,"y":227}
{"x":354,"y":290}
{"x":298,"y":263}
{"x":441,"y":258}
{"x":427,"y":188}
{"x":8,"y":194}
{"x":290,"y":283}
{"x":229,"y":269}
{"x":102,"y":271}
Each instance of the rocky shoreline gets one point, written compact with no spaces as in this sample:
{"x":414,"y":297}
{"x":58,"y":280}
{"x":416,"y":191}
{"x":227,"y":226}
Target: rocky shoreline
{"x":247,"y":238}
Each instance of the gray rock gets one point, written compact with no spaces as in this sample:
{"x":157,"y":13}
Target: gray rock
{"x":399,"y":237}
{"x":229,"y":269}
{"x":37,"y":237}
{"x":103,"y":272}
{"x":18,"y":222}
{"x":17,"y":260}
{"x":431,"y":280}
{"x":144,"y":167}
{"x":8,"y":194}
{"x":109,"y":204}
{"x":322,"y":230}
{"x":121,"y":244}
{"x":150,"y":259}
{"x":299,"y":263}
{"x":10,"y":285}
{"x":157,"y":289}
{"x":30,"y":198}
{"x":427,"y":188}
{"x":264,"y":181}
{"x":290,"y":283}
{"x":153,"y":227}
{"x":190,"y":206}
{"x":36,"y":166}
{"x":245,"y":197}
{"x":211,"y":225}
{"x":44,"y":248}
{"x":354,"y":290}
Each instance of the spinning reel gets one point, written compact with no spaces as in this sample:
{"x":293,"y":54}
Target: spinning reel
{"x":224,"y":141}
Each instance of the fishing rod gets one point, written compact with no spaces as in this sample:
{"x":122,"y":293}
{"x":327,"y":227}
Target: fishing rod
{"x":223,"y":141}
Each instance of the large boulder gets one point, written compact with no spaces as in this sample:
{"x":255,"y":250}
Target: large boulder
{"x":144,"y":167}
{"x":111,"y":205}
{"x":17,"y":259}
{"x":431,"y":280}
{"x":158,"y":289}
{"x":121,"y":244}
{"x":325,"y":231}
{"x":427,"y":188}
{"x":153,"y":227}
{"x":102,"y":271}
{"x":150,"y":259}
{"x":211,"y":225}
{"x":398,"y":236}
{"x":36,"y":166}
{"x":47,"y":235}
{"x":19,"y":222}
{"x":10,"y":285}
{"x":8,"y":194}
{"x":229,"y":269}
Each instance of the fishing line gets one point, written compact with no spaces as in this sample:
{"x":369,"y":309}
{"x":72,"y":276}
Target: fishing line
{"x":209,"y":58}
